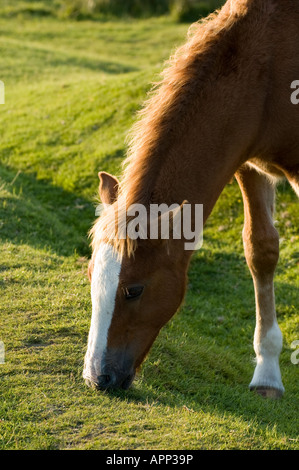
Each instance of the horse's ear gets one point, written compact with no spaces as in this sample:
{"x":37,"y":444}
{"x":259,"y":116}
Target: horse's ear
{"x":108,"y":189}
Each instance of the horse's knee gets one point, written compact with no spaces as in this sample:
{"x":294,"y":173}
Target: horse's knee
{"x":261,"y":250}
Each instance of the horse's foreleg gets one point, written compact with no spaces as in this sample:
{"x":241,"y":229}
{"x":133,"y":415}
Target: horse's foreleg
{"x":261,"y":245}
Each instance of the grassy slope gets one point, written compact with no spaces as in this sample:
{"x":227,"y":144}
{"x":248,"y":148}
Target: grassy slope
{"x":72,"y":90}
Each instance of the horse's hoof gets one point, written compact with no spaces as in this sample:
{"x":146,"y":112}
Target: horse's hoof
{"x":268,"y":392}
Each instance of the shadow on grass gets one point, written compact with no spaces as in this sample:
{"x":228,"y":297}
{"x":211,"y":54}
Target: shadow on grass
{"x":37,"y":213}
{"x":92,"y":64}
{"x":49,"y":57}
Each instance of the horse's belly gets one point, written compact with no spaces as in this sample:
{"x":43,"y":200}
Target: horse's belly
{"x":265,"y":167}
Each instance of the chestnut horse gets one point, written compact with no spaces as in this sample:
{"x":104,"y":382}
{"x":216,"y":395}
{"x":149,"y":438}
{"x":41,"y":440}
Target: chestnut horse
{"x":222,"y":108}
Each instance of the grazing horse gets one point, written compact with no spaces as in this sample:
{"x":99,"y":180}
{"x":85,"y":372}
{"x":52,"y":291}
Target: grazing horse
{"x":223,"y":108}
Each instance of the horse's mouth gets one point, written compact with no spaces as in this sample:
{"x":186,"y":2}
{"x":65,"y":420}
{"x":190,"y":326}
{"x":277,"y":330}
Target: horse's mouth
{"x":106,"y":382}
{"x":128,"y":381}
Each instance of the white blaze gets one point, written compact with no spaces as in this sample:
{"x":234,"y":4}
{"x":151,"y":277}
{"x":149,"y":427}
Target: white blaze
{"x":104,"y":283}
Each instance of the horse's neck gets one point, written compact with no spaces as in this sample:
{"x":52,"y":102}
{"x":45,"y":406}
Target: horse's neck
{"x":202,"y":163}
{"x":222,"y":133}
{"x":218,"y":131}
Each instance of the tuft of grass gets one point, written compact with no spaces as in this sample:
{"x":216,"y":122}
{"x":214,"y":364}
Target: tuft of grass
{"x":72,"y":92}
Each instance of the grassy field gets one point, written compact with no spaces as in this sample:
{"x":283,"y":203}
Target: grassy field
{"x":72,"y":91}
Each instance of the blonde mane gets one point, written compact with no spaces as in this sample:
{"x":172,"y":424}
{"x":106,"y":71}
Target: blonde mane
{"x":161,"y":118}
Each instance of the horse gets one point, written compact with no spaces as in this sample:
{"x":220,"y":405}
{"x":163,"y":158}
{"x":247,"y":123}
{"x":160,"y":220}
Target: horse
{"x":222,"y":109}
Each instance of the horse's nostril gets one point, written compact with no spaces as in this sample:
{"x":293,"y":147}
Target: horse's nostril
{"x":105,"y":381}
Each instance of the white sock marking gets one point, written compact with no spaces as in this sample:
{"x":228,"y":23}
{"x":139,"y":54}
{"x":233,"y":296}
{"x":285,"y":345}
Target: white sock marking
{"x":267,"y":372}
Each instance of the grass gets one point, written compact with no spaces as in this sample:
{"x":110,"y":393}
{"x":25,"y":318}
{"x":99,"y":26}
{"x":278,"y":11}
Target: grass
{"x":72,"y":91}
{"x":179,"y":10}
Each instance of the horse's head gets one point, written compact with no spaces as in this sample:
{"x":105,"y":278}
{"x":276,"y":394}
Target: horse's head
{"x":133,"y":297}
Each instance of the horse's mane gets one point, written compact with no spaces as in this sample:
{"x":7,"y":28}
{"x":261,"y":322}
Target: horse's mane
{"x":162,"y":114}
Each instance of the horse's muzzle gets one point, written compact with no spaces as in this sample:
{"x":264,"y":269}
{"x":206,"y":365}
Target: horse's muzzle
{"x":111,"y":381}
{"x":115,"y":380}
{"x":114,"y":374}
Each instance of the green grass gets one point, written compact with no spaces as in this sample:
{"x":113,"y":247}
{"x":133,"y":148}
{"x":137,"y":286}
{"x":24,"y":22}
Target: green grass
{"x":72,"y":91}
{"x":179,"y":10}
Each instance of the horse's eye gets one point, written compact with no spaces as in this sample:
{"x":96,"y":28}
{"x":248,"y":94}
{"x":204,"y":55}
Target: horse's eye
{"x":132,"y":292}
